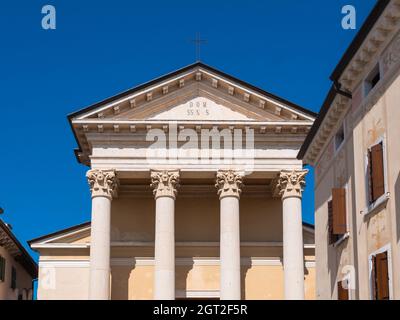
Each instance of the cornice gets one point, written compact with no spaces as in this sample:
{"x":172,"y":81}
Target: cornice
{"x":377,"y":40}
{"x":327,"y":128}
{"x":197,"y":75}
{"x":370,"y":51}
{"x":108,"y":118}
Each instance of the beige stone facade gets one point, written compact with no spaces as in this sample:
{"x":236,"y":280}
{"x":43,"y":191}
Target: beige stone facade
{"x":364,"y":114}
{"x":176,"y":214}
{"x":17,"y":268}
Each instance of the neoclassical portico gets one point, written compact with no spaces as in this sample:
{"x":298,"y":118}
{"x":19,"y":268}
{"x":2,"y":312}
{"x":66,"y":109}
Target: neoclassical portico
{"x":289,"y":185}
{"x":196,"y":193}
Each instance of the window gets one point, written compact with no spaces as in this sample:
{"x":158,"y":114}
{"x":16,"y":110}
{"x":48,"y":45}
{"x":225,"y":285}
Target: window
{"x":13,"y":278}
{"x":375,"y":171}
{"x":380,"y":276}
{"x":372,"y":80}
{"x":337,"y":217}
{"x":2,"y":268}
{"x":339,"y":137}
{"x":343,"y":293}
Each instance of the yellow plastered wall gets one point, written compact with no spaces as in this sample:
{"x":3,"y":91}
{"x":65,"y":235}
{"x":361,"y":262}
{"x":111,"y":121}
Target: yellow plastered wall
{"x":196,"y":221}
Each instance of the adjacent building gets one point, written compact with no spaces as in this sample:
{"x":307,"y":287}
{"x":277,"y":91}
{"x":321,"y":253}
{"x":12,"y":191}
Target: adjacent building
{"x":355,"y":150}
{"x":17,"y":268}
{"x":196,"y":193}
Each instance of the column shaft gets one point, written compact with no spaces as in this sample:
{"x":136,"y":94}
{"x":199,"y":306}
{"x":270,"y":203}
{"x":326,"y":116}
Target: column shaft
{"x":103,"y":185}
{"x":164,"y":184}
{"x":293,"y":258}
{"x":291,"y":184}
{"x":99,"y":288}
{"x":229,"y":185}
{"x":230,"y":249}
{"x":164,"y":256}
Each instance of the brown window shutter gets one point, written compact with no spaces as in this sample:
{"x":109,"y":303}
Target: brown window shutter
{"x":343,"y":294}
{"x":369,"y":170}
{"x":382,"y":276}
{"x":332,"y":237}
{"x":377,"y":172}
{"x":373,"y":277}
{"x":330,"y":223}
{"x":339,"y":211}
{"x":2,"y":268}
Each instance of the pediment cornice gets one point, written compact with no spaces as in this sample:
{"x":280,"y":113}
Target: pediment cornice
{"x":204,"y":79}
{"x":139,"y":111}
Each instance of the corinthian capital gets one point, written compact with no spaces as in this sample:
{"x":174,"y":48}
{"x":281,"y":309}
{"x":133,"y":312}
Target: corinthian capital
{"x":229,"y":183}
{"x":291,"y":183}
{"x":164,"y":183}
{"x":102,"y":183}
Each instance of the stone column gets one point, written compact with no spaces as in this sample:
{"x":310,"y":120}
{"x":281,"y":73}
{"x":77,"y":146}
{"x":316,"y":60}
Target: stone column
{"x":229,"y":188}
{"x":103,"y":184}
{"x":290,"y":186}
{"x":164,"y":184}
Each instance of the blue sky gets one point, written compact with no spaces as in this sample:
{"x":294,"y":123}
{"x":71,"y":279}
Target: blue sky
{"x":100,"y":48}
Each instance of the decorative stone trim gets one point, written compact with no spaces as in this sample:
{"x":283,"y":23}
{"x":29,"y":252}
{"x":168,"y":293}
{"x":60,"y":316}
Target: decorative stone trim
{"x":229,"y":183}
{"x":377,"y":40}
{"x":380,"y":38}
{"x":102,"y":183}
{"x":291,"y":183}
{"x":165,"y":183}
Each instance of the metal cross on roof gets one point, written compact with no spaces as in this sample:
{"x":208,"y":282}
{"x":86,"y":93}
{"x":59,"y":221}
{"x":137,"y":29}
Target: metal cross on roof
{"x":198,"y":42}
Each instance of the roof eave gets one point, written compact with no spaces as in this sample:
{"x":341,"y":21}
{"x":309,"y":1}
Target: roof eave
{"x":359,"y":39}
{"x":30,"y":265}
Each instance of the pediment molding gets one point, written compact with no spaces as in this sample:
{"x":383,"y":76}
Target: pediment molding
{"x":146,"y":108}
{"x":179,"y":84}
{"x":153,"y":109}
{"x":75,"y":235}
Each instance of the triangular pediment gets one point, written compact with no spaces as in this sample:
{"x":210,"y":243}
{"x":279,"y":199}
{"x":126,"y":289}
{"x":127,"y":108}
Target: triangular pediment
{"x":78,"y":236}
{"x":200,"y":108}
{"x":196,"y":103}
{"x":171,"y":98}
{"x":193,"y":96}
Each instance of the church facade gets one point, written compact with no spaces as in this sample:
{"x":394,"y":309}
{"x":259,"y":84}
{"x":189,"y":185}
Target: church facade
{"x":196,"y":192}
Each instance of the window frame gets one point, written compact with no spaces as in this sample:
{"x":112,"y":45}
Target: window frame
{"x":366,"y":83}
{"x":13,"y":282}
{"x":371,"y":207}
{"x":340,"y":146}
{"x":3,"y":270}
{"x":388,"y":249}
